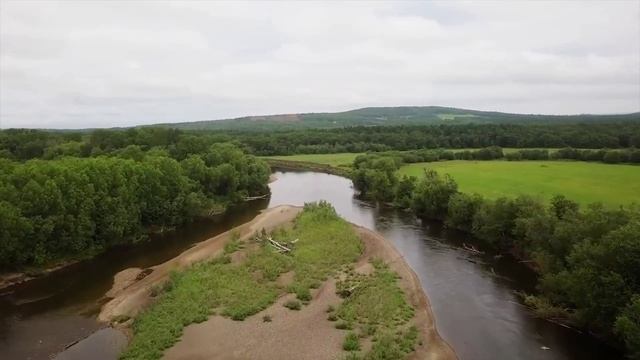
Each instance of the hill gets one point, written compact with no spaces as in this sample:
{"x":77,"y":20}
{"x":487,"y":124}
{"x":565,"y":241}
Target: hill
{"x":385,"y":116}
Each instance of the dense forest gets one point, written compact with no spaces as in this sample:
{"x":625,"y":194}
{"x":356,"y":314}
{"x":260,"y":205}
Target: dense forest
{"x":70,"y":206}
{"x":20,"y":144}
{"x":588,"y":259}
{"x":390,"y":116}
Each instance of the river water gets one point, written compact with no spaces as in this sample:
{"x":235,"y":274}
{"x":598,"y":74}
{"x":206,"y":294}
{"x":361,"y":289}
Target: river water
{"x":473,"y":297}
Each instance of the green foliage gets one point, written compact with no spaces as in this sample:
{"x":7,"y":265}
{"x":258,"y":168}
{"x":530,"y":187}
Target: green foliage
{"x":432,"y":194}
{"x":351,"y":342}
{"x":628,"y":326}
{"x":193,"y":296}
{"x":376,"y":304}
{"x":588,"y":260}
{"x":293,"y":305}
{"x":391,"y":346}
{"x":240,"y":290}
{"x":404,"y":191}
{"x":72,"y":206}
{"x":461,"y":210}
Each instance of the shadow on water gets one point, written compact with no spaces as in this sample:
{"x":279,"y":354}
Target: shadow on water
{"x":472,"y":296}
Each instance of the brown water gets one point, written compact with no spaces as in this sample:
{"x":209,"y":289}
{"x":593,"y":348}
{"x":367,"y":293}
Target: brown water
{"x":472,"y":296}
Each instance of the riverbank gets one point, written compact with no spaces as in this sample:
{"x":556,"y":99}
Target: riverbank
{"x":21,"y":276}
{"x":308,"y":166}
{"x":301,"y":334}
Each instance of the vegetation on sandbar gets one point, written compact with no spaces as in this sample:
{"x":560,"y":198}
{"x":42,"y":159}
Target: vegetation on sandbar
{"x":237,"y":290}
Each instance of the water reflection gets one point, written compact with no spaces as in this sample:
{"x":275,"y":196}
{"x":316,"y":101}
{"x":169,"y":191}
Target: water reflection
{"x":472,"y":296}
{"x":41,"y":317}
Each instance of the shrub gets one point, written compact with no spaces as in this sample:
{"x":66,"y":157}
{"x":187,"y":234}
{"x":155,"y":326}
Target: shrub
{"x":351,"y":342}
{"x":293,"y":305}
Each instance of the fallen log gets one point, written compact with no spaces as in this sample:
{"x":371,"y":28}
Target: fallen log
{"x":249,"y":198}
{"x":471,"y":248}
{"x":278,"y":246}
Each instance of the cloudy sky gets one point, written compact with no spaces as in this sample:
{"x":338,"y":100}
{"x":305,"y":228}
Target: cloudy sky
{"x":116,"y":63}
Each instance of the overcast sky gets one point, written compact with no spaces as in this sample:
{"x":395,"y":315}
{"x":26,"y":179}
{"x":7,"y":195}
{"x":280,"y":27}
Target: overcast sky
{"x":74,"y":64}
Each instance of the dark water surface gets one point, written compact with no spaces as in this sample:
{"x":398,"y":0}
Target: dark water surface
{"x":472,"y":296}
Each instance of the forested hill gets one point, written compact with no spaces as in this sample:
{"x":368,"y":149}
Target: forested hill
{"x":381,"y":116}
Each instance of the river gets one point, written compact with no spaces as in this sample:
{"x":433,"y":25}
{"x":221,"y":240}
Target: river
{"x":473,"y":297}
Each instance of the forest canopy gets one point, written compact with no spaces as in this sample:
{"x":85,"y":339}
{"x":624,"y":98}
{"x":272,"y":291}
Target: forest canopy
{"x":23,"y":144}
{"x":70,"y":206}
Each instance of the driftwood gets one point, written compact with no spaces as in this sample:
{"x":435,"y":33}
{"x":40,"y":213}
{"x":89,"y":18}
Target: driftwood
{"x":471,"y":248}
{"x":249,"y":198}
{"x":278,"y":246}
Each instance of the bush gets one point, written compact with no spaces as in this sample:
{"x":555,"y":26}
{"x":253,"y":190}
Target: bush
{"x":431,"y":197}
{"x":351,"y":342}
{"x":461,"y":210}
{"x":293,"y":305}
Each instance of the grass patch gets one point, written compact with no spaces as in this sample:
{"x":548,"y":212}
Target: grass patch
{"x":191,"y":299}
{"x":292,"y":305}
{"x":377,"y":306}
{"x":325,"y":242}
{"x":337,"y":160}
{"x":351,"y":342}
{"x":583,"y":182}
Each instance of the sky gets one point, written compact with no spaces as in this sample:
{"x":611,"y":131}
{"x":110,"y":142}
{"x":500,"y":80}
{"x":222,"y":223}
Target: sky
{"x":76,"y":64}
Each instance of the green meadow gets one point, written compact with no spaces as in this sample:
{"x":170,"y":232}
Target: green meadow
{"x":339,"y":159}
{"x":584,"y":182}
{"x":346,"y":159}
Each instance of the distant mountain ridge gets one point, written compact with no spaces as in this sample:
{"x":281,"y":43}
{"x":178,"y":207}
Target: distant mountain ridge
{"x":387,"y":116}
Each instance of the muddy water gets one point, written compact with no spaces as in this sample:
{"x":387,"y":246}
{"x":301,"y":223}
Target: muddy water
{"x":472,"y":296}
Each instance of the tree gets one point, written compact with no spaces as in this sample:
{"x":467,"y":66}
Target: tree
{"x":461,"y":210}
{"x":431,"y":197}
{"x":628,"y":326}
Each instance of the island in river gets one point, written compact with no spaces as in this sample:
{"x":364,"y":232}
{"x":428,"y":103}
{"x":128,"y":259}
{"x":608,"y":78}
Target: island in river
{"x":320,"y":301}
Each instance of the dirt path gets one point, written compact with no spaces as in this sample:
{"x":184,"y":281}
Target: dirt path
{"x":305,"y":334}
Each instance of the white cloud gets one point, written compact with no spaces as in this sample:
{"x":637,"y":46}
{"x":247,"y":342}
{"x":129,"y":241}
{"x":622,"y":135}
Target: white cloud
{"x":101,"y":64}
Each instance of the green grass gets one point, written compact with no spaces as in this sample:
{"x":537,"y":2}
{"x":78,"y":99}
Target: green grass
{"x":325,"y":243}
{"x":338,"y":160}
{"x":377,"y":307}
{"x":584,"y":182}
{"x":346,"y":159}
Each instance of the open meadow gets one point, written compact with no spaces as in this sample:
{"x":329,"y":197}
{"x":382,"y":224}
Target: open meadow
{"x":584,"y":182}
{"x":338,"y":159}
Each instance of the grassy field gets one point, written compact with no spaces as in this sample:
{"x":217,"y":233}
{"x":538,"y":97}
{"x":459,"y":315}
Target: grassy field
{"x":583,"y":182}
{"x":346,"y":159}
{"x":339,"y":159}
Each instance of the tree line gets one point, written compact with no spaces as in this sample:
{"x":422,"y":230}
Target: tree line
{"x":22,"y":144}
{"x":71,"y":206}
{"x":610,"y":156}
{"x":588,"y":259}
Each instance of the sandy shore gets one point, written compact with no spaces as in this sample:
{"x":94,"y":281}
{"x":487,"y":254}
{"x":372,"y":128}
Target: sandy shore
{"x":304,"y":334}
{"x":132,"y":287}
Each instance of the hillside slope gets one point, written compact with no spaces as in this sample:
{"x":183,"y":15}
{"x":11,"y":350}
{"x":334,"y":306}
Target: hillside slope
{"x":384,"y":116}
